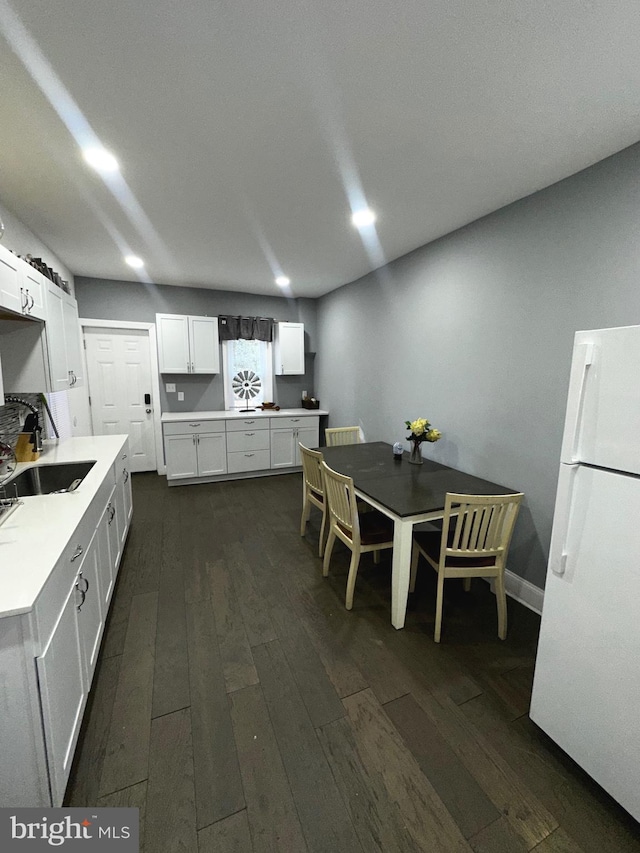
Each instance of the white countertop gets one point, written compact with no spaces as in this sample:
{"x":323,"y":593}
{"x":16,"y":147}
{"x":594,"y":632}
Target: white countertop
{"x":34,"y":536}
{"x":173,"y":417}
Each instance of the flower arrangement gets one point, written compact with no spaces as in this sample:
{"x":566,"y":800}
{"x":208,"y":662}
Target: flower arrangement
{"x":421,"y":430}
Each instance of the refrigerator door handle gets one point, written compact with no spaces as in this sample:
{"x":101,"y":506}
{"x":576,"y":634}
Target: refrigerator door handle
{"x":583,"y":357}
{"x":559,"y":551}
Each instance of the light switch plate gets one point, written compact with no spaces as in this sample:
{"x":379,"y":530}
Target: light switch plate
{"x":180,"y":396}
{"x":171,"y":387}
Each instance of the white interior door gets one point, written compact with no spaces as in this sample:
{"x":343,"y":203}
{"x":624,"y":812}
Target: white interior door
{"x":119,"y":373}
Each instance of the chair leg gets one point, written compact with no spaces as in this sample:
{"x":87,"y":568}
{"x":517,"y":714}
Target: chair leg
{"x":306,"y":512}
{"x":439,"y":602}
{"x":327,"y":552}
{"x":415,"y":556}
{"x":467,"y":584}
{"x":376,"y":557}
{"x":501,"y":601}
{"x":351,"y":579}
{"x":321,"y":542}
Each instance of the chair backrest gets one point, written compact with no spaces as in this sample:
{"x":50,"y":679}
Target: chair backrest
{"x":479,"y":525}
{"x":342,"y":435}
{"x":311,"y":472}
{"x":340,"y":495}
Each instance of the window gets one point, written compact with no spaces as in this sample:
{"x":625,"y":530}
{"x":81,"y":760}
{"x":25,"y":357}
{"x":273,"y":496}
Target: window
{"x":254,"y":356}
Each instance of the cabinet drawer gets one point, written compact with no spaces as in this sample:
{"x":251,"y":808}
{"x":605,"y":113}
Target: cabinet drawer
{"x":191,"y":427}
{"x":239,"y":462}
{"x":249,"y":424}
{"x":295,"y":421}
{"x":55,"y":592}
{"x":249,"y":440}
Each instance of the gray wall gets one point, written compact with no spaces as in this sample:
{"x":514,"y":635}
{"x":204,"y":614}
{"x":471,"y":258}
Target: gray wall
{"x":100,"y":299}
{"x":475,"y":332}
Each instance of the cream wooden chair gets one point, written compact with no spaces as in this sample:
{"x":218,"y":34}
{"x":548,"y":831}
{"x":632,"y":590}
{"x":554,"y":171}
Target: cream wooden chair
{"x":342,"y":435}
{"x":371,"y":531}
{"x":313,"y":491}
{"x":474,"y":543}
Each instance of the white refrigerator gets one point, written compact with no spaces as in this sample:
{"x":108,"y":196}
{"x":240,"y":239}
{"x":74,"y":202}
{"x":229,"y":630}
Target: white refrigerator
{"x":586,"y":689}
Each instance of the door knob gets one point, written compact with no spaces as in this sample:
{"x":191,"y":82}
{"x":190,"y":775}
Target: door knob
{"x":148,"y":411}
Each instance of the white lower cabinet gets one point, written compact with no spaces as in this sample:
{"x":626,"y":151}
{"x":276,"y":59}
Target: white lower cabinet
{"x":52,"y":666}
{"x":238,"y":446}
{"x":285,"y":452}
{"x":195,"y":449}
{"x":62,"y":694}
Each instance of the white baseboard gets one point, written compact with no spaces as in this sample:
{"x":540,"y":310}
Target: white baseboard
{"x":522,"y":590}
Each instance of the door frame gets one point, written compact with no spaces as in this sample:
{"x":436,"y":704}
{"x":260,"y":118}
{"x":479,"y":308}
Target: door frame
{"x":88,"y":323}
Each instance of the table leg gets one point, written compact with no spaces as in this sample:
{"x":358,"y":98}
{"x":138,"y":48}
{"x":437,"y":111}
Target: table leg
{"x":401,"y":570}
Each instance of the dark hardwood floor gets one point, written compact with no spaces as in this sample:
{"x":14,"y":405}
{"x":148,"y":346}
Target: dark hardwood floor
{"x":242,"y":708}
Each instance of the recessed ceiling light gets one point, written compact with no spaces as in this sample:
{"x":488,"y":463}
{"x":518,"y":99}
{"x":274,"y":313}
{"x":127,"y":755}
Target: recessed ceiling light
{"x":134,"y":261}
{"x":362,"y":218}
{"x":283,"y":281}
{"x":100,"y":159}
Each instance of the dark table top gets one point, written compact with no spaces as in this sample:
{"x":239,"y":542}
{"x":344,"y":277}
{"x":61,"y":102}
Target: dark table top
{"x":401,"y":487}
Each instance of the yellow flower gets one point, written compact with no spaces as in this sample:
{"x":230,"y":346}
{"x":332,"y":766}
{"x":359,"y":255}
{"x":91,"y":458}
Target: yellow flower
{"x":434,"y":435}
{"x":419,"y":426}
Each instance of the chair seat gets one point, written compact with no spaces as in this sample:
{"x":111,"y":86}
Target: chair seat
{"x":375,"y":528}
{"x":429,"y":542}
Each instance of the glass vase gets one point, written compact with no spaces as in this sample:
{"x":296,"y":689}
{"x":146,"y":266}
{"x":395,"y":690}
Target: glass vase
{"x":415,"y":456}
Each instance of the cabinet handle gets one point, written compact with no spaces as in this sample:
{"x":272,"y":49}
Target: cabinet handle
{"x":33,"y":301}
{"x":294,"y":420}
{"x":192,"y":368}
{"x":126,"y":474}
{"x":249,"y":455}
{"x":124,"y":456}
{"x":249,"y":422}
{"x":193,"y":438}
{"x":198,"y":424}
{"x":77,"y":553}
{"x":112,"y":512}
{"x":197,"y":439}
{"x":249,"y":433}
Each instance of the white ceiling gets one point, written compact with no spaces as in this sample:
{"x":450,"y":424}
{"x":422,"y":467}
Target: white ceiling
{"x":247,"y":129}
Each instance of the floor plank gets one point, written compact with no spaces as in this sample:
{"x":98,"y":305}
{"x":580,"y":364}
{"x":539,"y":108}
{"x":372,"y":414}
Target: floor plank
{"x":170,"y":813}
{"x":271,"y":812}
{"x":126,"y":758}
{"x":218,"y":784}
{"x":231,"y":835}
{"x":465,"y":800}
{"x":382,"y":749}
{"x":134,"y":797}
{"x":325,"y":821}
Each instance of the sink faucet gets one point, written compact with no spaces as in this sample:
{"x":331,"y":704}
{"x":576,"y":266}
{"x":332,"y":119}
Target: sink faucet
{"x":31,"y":423}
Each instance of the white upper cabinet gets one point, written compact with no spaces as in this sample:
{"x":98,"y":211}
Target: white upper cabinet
{"x":289,"y":349}
{"x":10,"y":294}
{"x":187,"y":344}
{"x":63,"y":339}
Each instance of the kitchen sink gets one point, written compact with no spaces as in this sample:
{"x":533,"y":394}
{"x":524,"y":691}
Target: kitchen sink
{"x":45,"y":479}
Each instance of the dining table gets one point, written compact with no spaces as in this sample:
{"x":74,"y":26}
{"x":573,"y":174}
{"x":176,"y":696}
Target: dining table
{"x":406,"y":493}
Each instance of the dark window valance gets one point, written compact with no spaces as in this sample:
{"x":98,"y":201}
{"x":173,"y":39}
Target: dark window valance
{"x":245,"y":328}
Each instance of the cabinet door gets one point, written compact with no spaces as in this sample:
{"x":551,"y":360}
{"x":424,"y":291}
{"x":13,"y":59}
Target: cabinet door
{"x":123,"y":504}
{"x":289,"y":350}
{"x":173,"y":343}
{"x":105,"y":564}
{"x":89,"y":612}
{"x":282,"y":448}
{"x":62,"y":695}
{"x":212,"y":453}
{"x":10,"y":294}
{"x":72,"y":340}
{"x":114,"y":538}
{"x":180,"y":456}
{"x":204,"y":345}
{"x":34,"y":287}
{"x":56,"y":347}
{"x":307,"y":435}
